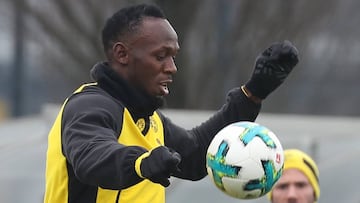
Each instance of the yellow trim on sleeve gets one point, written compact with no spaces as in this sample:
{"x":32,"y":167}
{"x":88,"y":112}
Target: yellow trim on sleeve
{"x":138,"y":162}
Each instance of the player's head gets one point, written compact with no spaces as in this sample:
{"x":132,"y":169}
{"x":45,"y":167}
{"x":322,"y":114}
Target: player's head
{"x":140,"y":45}
{"x":125,"y":22}
{"x":300,"y":180}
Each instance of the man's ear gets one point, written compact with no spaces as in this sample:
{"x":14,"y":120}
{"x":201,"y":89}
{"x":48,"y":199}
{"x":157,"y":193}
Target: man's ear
{"x":120,"y":53}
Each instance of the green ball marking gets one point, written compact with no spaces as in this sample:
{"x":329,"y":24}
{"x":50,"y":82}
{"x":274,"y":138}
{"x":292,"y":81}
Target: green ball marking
{"x":218,"y":166}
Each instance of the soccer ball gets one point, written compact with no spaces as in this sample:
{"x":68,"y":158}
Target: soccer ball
{"x":244,"y":160}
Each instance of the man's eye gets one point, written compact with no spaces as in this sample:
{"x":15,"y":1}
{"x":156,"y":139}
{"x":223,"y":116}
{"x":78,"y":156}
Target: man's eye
{"x":160,"y":57}
{"x":281,"y":186}
{"x":301,"y":185}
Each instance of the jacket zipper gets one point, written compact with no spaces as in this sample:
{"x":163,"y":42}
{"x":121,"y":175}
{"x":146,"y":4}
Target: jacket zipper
{"x":117,"y":197}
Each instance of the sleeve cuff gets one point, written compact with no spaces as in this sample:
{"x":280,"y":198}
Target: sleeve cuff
{"x":248,"y":94}
{"x":138,"y":163}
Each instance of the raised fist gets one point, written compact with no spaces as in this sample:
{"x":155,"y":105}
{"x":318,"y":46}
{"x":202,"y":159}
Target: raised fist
{"x":272,"y":67}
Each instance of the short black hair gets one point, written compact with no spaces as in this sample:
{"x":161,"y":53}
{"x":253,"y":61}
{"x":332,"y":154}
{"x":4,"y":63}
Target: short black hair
{"x":125,"y":21}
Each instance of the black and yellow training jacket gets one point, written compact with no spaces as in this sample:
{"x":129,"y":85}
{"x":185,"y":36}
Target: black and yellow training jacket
{"x":103,"y":127}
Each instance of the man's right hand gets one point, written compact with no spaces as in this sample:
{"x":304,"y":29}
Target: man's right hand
{"x":159,"y":165}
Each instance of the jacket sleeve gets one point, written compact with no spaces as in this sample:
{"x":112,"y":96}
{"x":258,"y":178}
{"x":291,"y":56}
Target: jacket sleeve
{"x":91,"y":125}
{"x":192,"y":144}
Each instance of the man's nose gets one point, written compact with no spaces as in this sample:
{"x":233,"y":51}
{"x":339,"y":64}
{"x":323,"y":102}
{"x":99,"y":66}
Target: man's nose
{"x":171,"y":66}
{"x":292,"y":192}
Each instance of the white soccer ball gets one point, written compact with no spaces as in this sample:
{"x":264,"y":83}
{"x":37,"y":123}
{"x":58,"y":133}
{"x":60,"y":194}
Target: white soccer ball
{"x":244,"y":160}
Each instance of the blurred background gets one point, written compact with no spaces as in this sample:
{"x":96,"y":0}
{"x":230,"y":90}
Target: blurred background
{"x":48,"y":48}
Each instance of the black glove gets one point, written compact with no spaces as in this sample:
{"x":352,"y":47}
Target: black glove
{"x":160,"y":164}
{"x":271,"y":68}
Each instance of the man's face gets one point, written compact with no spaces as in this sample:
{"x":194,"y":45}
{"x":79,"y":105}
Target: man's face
{"x":151,"y":56}
{"x":293,"y":187}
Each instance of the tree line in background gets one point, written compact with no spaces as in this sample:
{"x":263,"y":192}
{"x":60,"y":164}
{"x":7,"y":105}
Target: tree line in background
{"x":219,"y":42}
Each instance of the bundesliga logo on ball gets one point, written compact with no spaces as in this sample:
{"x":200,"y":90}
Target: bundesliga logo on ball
{"x":244,"y":160}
